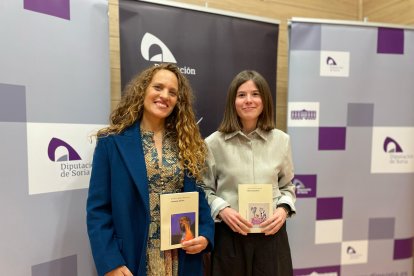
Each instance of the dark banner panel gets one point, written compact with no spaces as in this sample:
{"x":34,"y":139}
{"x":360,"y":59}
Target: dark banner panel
{"x":209,"y":48}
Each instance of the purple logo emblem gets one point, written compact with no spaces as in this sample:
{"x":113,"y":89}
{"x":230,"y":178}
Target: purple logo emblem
{"x":56,"y":143}
{"x":390,"y":145}
{"x":305,"y":185}
{"x":330,"y":61}
{"x":350,"y":250}
{"x":303,"y":114}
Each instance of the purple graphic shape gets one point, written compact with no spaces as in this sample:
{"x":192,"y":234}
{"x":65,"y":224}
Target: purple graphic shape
{"x":403,"y":249}
{"x":58,"y":8}
{"x":350,"y":250}
{"x":67,"y":266}
{"x":305,"y":185}
{"x":381,"y":228}
{"x":329,"y":208}
{"x":54,"y":144}
{"x":305,"y":36}
{"x":390,"y":41}
{"x":303,"y":114}
{"x":12,"y":103}
{"x":332,"y":138}
{"x":309,"y":271}
{"x":389,"y":141}
{"x":360,"y":115}
{"x":330,"y":61}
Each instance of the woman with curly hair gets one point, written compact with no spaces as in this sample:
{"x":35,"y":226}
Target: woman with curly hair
{"x":151,"y":147}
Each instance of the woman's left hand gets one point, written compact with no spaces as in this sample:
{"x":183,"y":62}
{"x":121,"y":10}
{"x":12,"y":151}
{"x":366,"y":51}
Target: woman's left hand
{"x":275,"y":222}
{"x":195,"y":245}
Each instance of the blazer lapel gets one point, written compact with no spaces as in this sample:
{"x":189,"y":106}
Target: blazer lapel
{"x":129,"y":144}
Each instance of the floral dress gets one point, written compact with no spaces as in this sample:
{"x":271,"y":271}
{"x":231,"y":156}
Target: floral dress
{"x":167,"y":178}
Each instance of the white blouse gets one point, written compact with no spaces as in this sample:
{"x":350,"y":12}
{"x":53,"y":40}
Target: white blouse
{"x":261,"y":157}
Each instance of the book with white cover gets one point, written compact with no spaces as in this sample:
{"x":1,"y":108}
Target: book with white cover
{"x":179,"y":218}
{"x":255,"y":204}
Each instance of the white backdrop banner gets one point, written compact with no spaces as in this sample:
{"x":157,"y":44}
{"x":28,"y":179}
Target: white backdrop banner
{"x":54,"y":93}
{"x":351,"y":118}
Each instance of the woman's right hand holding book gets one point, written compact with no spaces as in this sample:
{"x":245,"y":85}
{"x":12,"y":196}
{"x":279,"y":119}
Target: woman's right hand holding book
{"x":235,"y":221}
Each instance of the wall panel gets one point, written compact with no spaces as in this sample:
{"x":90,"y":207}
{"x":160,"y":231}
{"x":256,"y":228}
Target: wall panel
{"x":389,"y":11}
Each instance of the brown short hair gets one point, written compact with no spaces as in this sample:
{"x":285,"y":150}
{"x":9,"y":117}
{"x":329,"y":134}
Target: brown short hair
{"x":231,"y":121}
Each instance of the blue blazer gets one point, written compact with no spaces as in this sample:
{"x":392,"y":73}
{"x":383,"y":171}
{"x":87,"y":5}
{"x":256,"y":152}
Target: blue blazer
{"x":118,"y":207}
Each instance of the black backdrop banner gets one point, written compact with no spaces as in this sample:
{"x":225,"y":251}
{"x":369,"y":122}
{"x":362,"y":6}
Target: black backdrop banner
{"x":210,"y":48}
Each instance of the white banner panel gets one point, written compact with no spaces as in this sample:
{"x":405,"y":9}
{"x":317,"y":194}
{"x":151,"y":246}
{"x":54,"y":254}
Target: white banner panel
{"x":351,"y":118}
{"x":59,"y":156}
{"x":392,"y":150}
{"x":54,"y":90}
{"x":303,"y":114}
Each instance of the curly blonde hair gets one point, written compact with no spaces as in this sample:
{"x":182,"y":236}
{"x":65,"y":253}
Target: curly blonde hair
{"x":192,"y":150}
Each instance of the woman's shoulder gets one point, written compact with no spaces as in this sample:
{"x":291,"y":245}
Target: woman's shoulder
{"x":278,"y":134}
{"x":111,"y":132}
{"x":214,"y":140}
{"x":107,"y":138}
{"x":215,"y":136}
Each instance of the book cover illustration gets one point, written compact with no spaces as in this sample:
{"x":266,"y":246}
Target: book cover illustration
{"x":255,"y":204}
{"x":179,"y":219}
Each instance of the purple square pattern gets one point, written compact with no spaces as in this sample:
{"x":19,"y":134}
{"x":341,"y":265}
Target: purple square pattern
{"x":390,"y":41}
{"x":332,"y":138}
{"x":329,"y":208}
{"x":58,"y":8}
{"x":305,"y":185}
{"x":403,"y":249}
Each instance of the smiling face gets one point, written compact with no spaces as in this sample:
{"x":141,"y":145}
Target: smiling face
{"x":248,"y":105}
{"x":160,"y":96}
